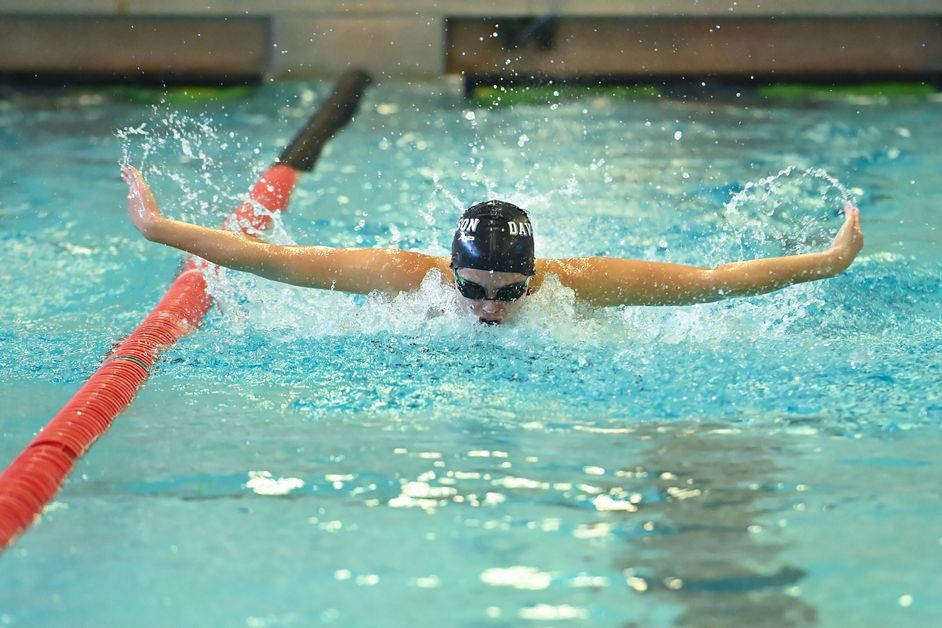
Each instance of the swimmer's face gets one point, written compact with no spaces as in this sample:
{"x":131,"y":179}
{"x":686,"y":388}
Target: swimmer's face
{"x":490,"y":310}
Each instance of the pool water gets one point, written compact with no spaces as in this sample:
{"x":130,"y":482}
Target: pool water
{"x":314,"y":458}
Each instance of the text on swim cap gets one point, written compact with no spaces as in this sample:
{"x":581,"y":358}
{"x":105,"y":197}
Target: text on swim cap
{"x":514,"y":228}
{"x":520,"y":228}
{"x":468,"y":224}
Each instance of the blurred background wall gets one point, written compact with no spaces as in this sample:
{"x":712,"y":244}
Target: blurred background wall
{"x":233,"y":41}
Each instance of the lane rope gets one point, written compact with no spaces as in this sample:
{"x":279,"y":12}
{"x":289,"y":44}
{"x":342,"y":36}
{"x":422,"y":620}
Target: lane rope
{"x":35,"y":476}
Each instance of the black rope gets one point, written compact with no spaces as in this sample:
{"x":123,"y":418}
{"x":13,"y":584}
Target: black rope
{"x":333,"y":115}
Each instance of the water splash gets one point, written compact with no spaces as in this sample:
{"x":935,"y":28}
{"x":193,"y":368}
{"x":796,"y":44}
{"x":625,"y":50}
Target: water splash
{"x":793,"y":211}
{"x":757,"y":225}
{"x":789,"y":212}
{"x":211,"y":169}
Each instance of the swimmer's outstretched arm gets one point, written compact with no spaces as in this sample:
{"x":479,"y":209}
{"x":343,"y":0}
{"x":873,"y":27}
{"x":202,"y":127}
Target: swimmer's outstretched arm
{"x":359,"y":271}
{"x":612,"y":281}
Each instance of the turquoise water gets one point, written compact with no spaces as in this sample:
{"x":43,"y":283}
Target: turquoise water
{"x":310,"y":457}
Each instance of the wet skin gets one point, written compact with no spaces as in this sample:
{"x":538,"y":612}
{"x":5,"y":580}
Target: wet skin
{"x":488,"y":310}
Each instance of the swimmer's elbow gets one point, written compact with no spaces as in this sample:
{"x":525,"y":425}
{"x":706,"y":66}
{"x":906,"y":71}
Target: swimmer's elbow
{"x":709,"y":285}
{"x":679,"y":284}
{"x":691,"y":286}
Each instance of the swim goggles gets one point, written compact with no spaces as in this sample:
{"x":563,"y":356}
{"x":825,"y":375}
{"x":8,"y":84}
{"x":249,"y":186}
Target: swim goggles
{"x":477,"y":292}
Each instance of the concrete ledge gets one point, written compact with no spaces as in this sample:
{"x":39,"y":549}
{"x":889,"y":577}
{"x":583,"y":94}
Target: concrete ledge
{"x":679,"y":46}
{"x":390,"y":47}
{"x":125,"y":47}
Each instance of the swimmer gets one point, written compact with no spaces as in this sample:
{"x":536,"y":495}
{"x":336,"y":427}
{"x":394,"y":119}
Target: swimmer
{"x":492,"y":265}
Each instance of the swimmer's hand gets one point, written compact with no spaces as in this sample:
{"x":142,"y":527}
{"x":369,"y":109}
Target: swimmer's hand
{"x":142,"y":206}
{"x":848,"y":241}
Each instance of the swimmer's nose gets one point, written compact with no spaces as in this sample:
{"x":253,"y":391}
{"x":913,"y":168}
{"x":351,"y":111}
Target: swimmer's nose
{"x":489,"y":306}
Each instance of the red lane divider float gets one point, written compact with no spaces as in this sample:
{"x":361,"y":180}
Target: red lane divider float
{"x":35,"y":476}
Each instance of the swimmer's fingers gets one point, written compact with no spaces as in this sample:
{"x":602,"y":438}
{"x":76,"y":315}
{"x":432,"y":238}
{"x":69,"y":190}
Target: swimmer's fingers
{"x":849,"y":239}
{"x":138,"y":190}
{"x":142,"y":206}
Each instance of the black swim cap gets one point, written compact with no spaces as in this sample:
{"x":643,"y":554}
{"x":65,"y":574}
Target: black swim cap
{"x":494,"y":235}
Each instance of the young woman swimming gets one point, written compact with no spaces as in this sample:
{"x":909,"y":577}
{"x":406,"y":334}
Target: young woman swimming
{"x":492,"y":264}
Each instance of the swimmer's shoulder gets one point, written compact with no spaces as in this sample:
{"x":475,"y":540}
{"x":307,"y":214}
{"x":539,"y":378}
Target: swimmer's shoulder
{"x":565,"y":269}
{"x":411,"y":260}
{"x":417,"y":265}
{"x":432,"y":262}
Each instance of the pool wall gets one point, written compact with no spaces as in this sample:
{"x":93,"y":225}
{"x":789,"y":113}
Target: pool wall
{"x":239,"y":41}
